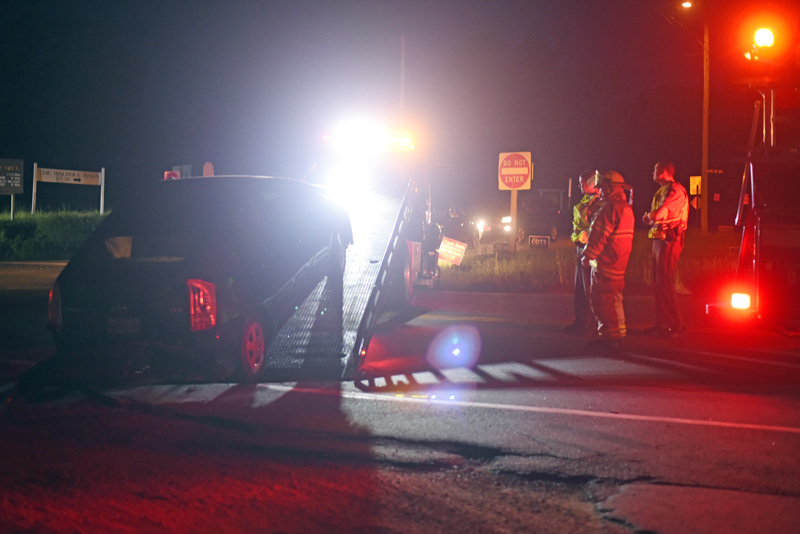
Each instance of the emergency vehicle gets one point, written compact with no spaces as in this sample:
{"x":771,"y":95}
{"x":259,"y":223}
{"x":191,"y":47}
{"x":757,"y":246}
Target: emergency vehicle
{"x":767,"y":284}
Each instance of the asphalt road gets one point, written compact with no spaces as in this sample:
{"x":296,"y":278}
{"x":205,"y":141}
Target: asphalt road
{"x":698,"y":434}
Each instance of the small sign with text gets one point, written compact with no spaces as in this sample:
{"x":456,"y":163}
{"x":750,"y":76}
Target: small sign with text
{"x":539,"y":241}
{"x":452,"y":251}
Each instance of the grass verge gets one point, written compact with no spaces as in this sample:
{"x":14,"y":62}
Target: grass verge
{"x":708,"y":261}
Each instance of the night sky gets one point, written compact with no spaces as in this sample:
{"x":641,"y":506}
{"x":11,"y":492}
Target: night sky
{"x":137,"y":87}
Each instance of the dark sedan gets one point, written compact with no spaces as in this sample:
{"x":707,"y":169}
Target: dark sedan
{"x":200,"y":270}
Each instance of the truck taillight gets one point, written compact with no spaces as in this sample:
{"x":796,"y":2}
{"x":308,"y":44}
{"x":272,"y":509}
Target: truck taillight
{"x":740,"y":301}
{"x":54,"y":317}
{"x":202,"y":304}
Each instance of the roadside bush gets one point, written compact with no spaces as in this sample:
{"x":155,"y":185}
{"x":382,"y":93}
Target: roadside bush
{"x":45,"y":236}
{"x":708,"y":261}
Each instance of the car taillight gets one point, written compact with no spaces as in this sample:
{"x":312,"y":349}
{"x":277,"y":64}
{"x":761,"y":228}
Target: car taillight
{"x":202,"y":304}
{"x":740,"y":301}
{"x":54,"y":317}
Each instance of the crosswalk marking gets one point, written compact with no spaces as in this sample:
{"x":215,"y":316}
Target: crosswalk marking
{"x":511,"y":371}
{"x":462,"y":375}
{"x":425,"y":378}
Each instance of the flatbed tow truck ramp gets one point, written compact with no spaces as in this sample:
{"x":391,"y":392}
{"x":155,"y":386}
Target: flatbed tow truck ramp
{"x":319,"y":342}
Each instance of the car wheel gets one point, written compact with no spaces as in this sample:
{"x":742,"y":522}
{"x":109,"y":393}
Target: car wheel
{"x":553,"y":233}
{"x":252,"y":349}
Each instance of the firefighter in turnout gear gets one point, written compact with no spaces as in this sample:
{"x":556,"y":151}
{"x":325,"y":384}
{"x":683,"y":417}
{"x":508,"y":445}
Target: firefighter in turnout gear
{"x":668,"y":221}
{"x":582,"y":214}
{"x":607,"y":251}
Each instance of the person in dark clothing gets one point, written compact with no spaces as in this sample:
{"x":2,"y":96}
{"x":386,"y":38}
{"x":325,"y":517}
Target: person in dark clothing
{"x":607,"y":251}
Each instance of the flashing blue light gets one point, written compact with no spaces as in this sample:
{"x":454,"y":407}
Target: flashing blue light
{"x":455,"y":346}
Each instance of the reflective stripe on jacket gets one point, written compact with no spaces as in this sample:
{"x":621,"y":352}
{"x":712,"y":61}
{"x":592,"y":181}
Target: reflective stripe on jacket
{"x":673,"y":196}
{"x":611,"y":236}
{"x":582,"y":215}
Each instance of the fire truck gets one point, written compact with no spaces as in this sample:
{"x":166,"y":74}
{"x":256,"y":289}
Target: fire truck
{"x":768,"y":214}
{"x":767,"y":283}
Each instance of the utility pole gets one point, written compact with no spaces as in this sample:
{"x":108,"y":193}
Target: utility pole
{"x":402,"y":76}
{"x":704,"y":188}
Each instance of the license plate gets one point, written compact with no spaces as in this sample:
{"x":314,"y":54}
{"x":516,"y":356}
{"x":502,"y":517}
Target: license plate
{"x":123,"y":326}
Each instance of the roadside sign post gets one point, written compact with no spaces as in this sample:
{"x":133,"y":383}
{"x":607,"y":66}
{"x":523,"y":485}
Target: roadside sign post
{"x":514,"y":173}
{"x":11,"y":179}
{"x":61,"y":176}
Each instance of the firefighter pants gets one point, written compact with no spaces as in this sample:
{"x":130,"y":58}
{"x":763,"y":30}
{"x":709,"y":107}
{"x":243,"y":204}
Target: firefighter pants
{"x":583,"y":279}
{"x":606,"y":298}
{"x":665,"y":264}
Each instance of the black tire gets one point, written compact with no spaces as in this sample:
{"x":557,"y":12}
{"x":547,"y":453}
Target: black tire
{"x":553,"y":233}
{"x":253,"y":349}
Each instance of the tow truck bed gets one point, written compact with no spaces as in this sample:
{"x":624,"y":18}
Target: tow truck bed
{"x":319,"y":343}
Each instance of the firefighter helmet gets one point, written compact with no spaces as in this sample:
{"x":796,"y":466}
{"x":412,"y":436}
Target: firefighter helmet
{"x":610,"y":178}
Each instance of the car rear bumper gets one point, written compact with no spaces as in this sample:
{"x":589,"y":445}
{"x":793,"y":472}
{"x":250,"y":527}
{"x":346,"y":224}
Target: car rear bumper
{"x":208,"y":354}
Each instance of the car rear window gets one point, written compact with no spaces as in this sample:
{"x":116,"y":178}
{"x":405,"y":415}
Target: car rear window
{"x":167,"y":224}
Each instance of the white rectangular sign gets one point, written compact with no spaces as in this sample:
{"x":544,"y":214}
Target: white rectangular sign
{"x":60,"y":176}
{"x":67,"y":177}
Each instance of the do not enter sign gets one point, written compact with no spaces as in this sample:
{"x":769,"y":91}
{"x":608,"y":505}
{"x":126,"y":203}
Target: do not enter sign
{"x":515,"y":171}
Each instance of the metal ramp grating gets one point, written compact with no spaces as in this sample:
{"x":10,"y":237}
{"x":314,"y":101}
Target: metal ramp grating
{"x":318,"y":339}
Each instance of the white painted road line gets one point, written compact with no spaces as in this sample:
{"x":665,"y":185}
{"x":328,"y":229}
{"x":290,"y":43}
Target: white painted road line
{"x":419,"y":399}
{"x":582,"y":413}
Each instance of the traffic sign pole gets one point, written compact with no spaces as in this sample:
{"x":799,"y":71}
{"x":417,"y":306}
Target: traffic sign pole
{"x":33,"y":198}
{"x":512,"y":243}
{"x":515,"y":172}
